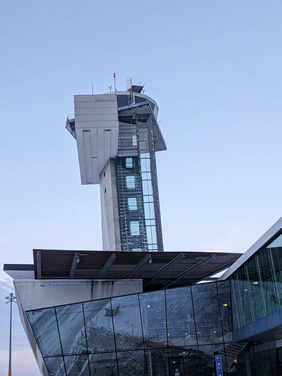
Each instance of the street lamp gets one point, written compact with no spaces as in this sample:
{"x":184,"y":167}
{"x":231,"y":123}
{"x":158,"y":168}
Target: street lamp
{"x":11,"y":299}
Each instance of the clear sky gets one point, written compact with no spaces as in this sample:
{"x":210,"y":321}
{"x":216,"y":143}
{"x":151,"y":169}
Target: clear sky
{"x":214,"y":68}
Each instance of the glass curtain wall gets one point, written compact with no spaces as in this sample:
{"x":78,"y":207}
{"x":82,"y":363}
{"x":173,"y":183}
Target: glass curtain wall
{"x":139,"y":209}
{"x":167,"y":332}
{"x":257,"y":285}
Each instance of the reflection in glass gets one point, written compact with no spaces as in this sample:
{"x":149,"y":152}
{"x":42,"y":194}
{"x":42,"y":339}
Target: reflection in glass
{"x":206,"y":309}
{"x":180,"y":317}
{"x":71,"y":328}
{"x":131,"y":363}
{"x":127,"y":323}
{"x":103,"y":364}
{"x":131,"y":335}
{"x":55,"y":366}
{"x":99,"y":326}
{"x":153,"y":318}
{"x":77,"y":365}
{"x":44,"y":325}
{"x":157,"y":362}
{"x":257,"y":285}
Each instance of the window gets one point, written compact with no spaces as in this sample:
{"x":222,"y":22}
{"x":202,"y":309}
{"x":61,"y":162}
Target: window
{"x":132,"y":203}
{"x":128,"y":163}
{"x":134,"y":140}
{"x":134,"y":228}
{"x":130,"y":182}
{"x":147,"y":187}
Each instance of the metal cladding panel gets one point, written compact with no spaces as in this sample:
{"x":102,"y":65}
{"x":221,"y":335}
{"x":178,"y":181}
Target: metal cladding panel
{"x":96,"y":122}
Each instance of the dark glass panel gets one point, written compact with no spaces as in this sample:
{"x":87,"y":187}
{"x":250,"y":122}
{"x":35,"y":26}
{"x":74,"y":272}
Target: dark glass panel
{"x":246,"y":292}
{"x":55,"y":366}
{"x":44,"y":326}
{"x":103,"y":364}
{"x":180,"y":317}
{"x":206,"y":308}
{"x":206,"y":355}
{"x":265,"y":359}
{"x":154,"y":318}
{"x":127,"y":323}
{"x":184,"y":360}
{"x":131,"y":363}
{"x":99,"y":326}
{"x":71,"y":328}
{"x":255,"y":287}
{"x":268,"y":281}
{"x":77,"y":365}
{"x":275,"y":252}
{"x":223,"y":289}
{"x":157,"y":362}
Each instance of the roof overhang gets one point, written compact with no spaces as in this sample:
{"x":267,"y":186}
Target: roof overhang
{"x":158,"y":270}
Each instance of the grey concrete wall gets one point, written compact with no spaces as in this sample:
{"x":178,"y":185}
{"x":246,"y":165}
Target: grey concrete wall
{"x":109,"y":208}
{"x":36,"y":294}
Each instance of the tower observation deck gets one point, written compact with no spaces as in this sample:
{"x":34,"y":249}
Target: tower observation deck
{"x":117,"y":135}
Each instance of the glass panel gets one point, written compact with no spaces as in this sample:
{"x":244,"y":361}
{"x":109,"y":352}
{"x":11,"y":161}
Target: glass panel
{"x":157,"y":362}
{"x":145,"y":164}
{"x":180,"y":317}
{"x":265,"y":359}
{"x":103,"y":364}
{"x":153,"y":318}
{"x":147,"y":187}
{"x":149,"y":210}
{"x":151,"y":234}
{"x":206,"y":355}
{"x":71,"y":327}
{"x":131,"y":363}
{"x":208,"y":324}
{"x":132,"y":203}
{"x":134,"y":228}
{"x":275,"y":255}
{"x":55,"y":366}
{"x":44,"y":325}
{"x":99,"y":326}
{"x":148,"y":198}
{"x":146,"y":176}
{"x":128,"y":163}
{"x":223,"y":289}
{"x":134,"y":140}
{"x":130,"y":182}
{"x":127,"y":324}
{"x":255,"y":289}
{"x":77,"y":365}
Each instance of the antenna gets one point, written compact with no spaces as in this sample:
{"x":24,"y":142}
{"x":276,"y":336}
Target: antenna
{"x":92,"y":90}
{"x":115,"y":82}
{"x":110,"y":87}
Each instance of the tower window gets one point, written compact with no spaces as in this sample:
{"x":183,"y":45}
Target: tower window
{"x":128,"y":163}
{"x":132,"y":203}
{"x":130,"y":182}
{"x":134,"y":228}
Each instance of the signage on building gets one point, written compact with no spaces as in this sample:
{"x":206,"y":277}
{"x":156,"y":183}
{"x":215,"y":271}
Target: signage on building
{"x":218,"y":365}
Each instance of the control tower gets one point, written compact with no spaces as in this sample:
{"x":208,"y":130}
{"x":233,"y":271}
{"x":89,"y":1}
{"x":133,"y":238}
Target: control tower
{"x":117,"y":135}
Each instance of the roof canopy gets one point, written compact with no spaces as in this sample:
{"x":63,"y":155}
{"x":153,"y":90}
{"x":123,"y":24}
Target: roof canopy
{"x":157,"y":269}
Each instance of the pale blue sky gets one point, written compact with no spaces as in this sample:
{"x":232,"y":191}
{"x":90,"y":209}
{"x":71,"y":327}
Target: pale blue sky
{"x":214,"y":68}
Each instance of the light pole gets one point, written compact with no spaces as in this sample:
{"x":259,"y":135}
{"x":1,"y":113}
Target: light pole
{"x":11,"y":299}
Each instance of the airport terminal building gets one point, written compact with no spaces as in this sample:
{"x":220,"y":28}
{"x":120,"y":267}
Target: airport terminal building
{"x":133,"y":309}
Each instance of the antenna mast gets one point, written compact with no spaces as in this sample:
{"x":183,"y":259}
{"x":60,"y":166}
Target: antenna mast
{"x":115,"y":86}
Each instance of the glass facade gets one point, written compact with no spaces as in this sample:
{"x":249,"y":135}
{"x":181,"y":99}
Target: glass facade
{"x":166,"y":332}
{"x":257,"y":285}
{"x":139,"y":210}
